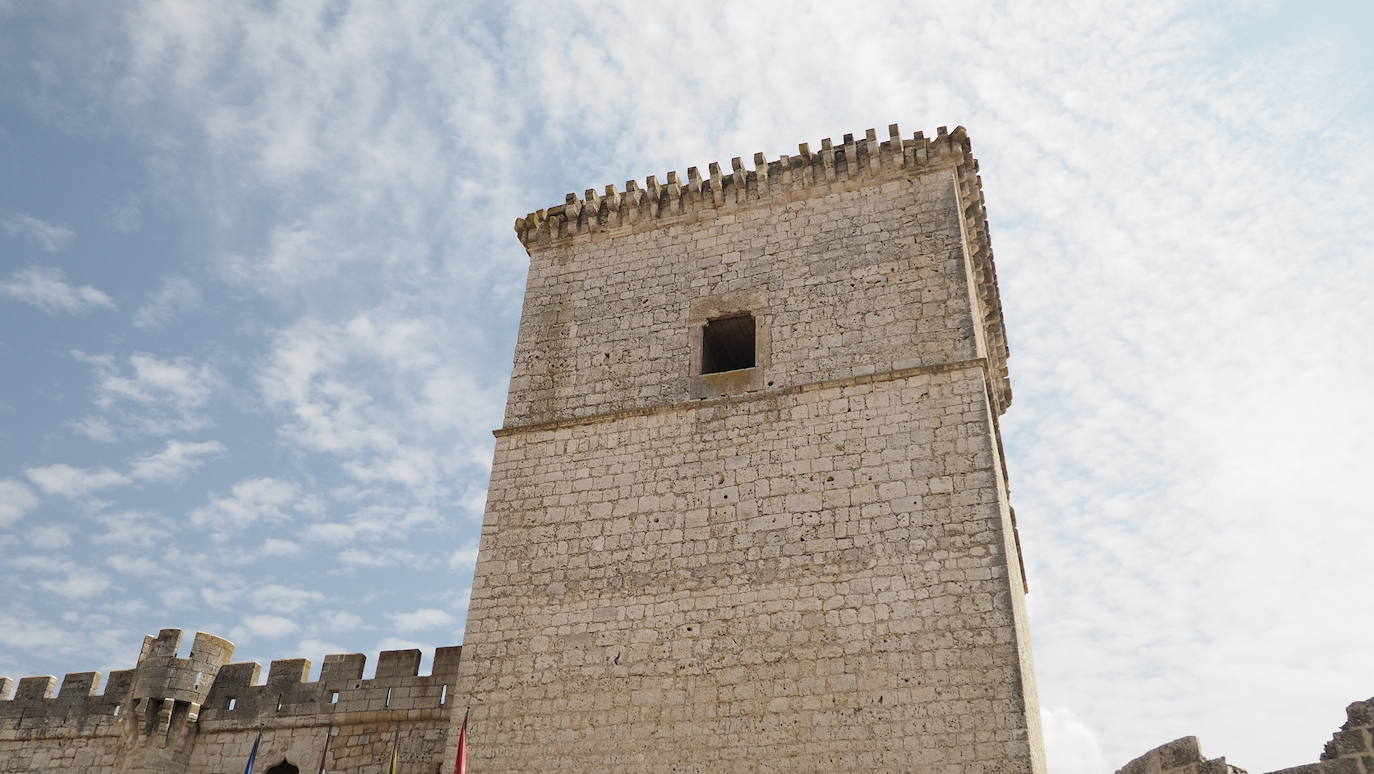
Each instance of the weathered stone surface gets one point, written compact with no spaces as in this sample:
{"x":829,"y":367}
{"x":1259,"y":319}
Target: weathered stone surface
{"x":805,"y":565}
{"x":171,"y":715}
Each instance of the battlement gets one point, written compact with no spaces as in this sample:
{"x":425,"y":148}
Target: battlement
{"x":160,"y":674}
{"x":854,"y":163}
{"x":239,"y":694}
{"x":40,"y":698}
{"x":215,"y":690}
{"x":806,"y":174}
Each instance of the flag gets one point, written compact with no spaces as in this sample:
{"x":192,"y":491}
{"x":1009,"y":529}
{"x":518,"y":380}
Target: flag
{"x":460,"y":765}
{"x":253,"y":753}
{"x":393,"y":765}
{"x":328,"y":734}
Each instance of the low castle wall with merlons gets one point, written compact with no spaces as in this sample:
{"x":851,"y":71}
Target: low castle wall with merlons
{"x":201,"y":714}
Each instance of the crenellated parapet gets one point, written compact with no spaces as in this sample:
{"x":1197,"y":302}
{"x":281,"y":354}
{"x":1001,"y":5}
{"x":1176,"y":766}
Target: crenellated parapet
{"x":172,"y":710}
{"x":40,"y":701}
{"x":241,"y":696}
{"x":850,"y":164}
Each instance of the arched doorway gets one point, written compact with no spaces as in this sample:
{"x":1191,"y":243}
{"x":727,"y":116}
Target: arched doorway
{"x":285,"y":767}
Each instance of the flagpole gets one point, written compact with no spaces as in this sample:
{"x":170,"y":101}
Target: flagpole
{"x":394,"y":766}
{"x":253,"y":753}
{"x":328,"y":735}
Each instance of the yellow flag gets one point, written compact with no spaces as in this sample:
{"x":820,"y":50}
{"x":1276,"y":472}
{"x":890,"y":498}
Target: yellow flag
{"x":392,"y":768}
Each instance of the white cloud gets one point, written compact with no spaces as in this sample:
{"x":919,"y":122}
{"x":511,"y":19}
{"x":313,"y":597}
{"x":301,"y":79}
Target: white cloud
{"x":50,"y":537}
{"x":28,"y":632}
{"x":96,"y":429}
{"x":280,"y":547}
{"x":342,"y":621}
{"x":222,"y":596}
{"x":316,"y":650}
{"x":465,"y":558}
{"x":134,"y":565}
{"x":176,"y":295}
{"x":70,"y":481}
{"x":175,"y":461}
{"x":423,"y":618}
{"x":249,"y":500}
{"x":176,"y":598}
{"x":357,"y":556}
{"x":284,"y":599}
{"x":125,"y":215}
{"x":16,"y":499}
{"x":77,"y":583}
{"x":1072,"y":746}
{"x":152,"y":396}
{"x":47,"y":236}
{"x":46,"y":288}
{"x":270,"y":626}
{"x":130,"y":527}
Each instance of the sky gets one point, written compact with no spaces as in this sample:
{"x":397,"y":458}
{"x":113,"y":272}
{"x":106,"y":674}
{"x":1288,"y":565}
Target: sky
{"x":259,"y":292}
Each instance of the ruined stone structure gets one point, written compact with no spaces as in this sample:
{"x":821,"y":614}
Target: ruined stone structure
{"x":1350,"y":751}
{"x":748,"y":510}
{"x":201,"y":714}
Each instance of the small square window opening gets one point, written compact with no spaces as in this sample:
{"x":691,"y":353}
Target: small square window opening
{"x":727,"y":344}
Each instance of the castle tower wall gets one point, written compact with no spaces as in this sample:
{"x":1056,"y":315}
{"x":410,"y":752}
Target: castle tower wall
{"x":805,"y":564}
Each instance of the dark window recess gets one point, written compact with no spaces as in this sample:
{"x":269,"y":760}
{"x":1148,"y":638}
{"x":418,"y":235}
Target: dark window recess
{"x":727,"y":344}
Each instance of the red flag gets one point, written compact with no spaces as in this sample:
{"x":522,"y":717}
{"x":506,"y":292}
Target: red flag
{"x":460,"y":766}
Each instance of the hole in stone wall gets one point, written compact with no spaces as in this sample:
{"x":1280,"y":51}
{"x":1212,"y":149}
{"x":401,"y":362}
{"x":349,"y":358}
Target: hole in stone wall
{"x":388,"y":698}
{"x":116,"y":709}
{"x":443,"y":694}
{"x":285,"y":767}
{"x":727,"y":344}
{"x":333,"y":697}
{"x":232,"y":703}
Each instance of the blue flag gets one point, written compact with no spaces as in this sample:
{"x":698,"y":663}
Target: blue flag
{"x":253,"y":754}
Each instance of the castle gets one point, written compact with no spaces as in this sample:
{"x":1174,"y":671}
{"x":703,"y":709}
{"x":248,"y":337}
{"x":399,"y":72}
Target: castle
{"x":748,"y":512}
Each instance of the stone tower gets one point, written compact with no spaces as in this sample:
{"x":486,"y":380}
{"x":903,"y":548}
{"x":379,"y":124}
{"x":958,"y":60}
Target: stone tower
{"x":748,"y":511}
{"x":159,"y":729}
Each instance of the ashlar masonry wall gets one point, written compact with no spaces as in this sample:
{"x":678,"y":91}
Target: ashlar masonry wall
{"x":200,"y":715}
{"x":805,"y":565}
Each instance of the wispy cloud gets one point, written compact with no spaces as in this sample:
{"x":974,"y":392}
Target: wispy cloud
{"x":46,"y":287}
{"x":174,"y":461}
{"x":175,"y":296}
{"x":423,"y":618}
{"x":284,"y":599}
{"x":171,"y":464}
{"x":280,"y":547}
{"x":50,"y":537}
{"x":77,"y":583}
{"x":139,"y":566}
{"x":151,"y":395}
{"x":249,"y":501}
{"x":269,"y":626}
{"x":47,"y":236}
{"x":16,"y":499}
{"x":1183,"y":317}
{"x":71,"y":481}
